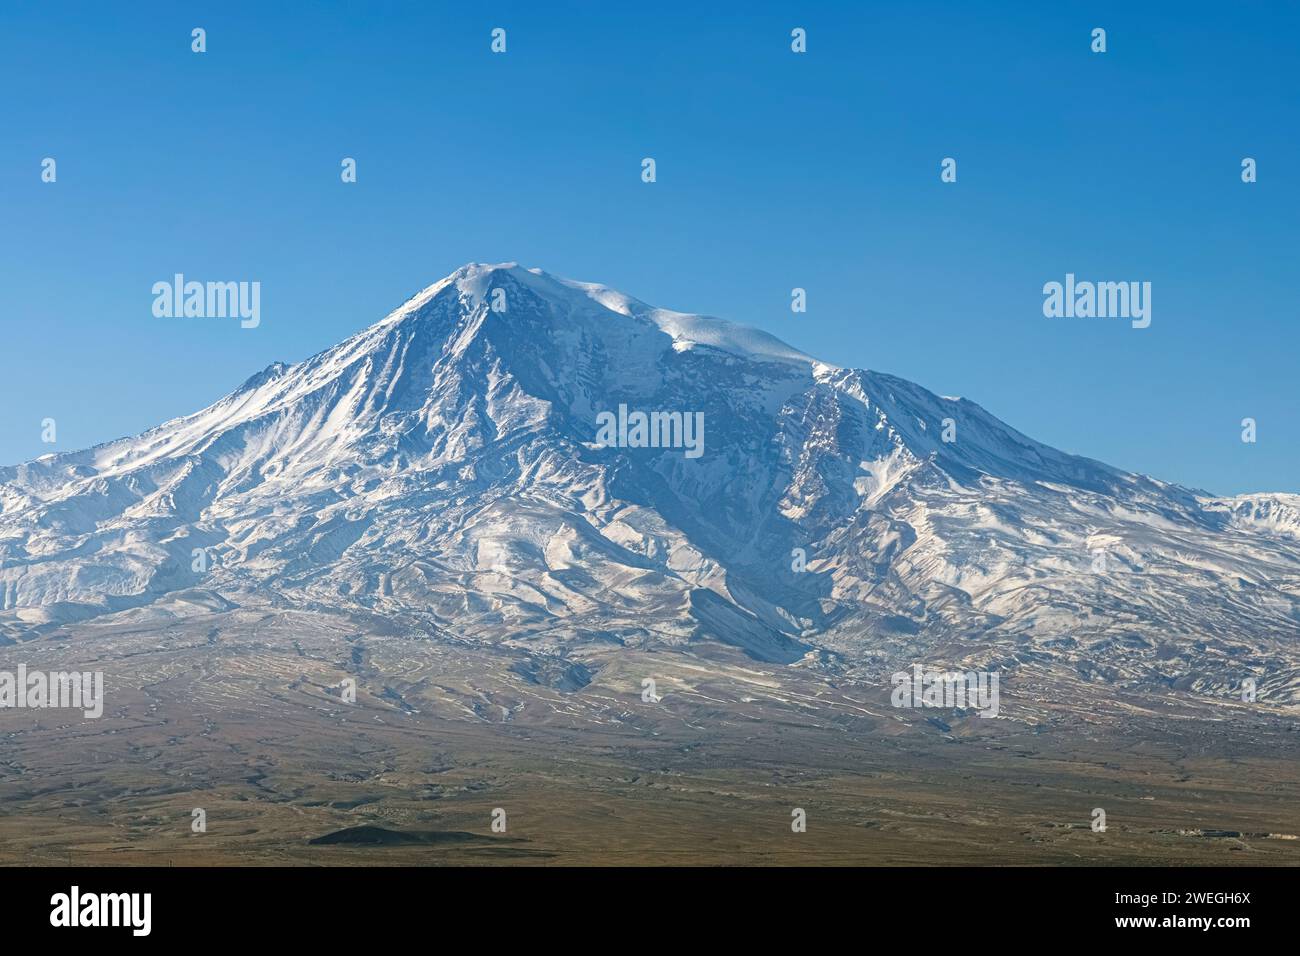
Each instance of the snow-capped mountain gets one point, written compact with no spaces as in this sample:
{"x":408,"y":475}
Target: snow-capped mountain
{"x":452,"y":468}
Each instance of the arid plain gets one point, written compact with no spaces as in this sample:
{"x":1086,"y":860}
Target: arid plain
{"x":241,"y":714}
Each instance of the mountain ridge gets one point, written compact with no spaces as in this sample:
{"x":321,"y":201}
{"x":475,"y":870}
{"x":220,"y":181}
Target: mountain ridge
{"x":440,"y":467}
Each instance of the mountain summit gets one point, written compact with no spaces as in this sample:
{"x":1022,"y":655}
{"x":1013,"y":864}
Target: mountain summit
{"x":445,"y":469}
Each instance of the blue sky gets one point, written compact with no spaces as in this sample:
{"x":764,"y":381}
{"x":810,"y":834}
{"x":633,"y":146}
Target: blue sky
{"x":775,"y":170}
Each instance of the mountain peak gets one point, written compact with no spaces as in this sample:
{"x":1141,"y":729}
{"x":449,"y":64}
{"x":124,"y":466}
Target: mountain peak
{"x":445,"y":468}
{"x":268,"y":374}
{"x":571,"y":298}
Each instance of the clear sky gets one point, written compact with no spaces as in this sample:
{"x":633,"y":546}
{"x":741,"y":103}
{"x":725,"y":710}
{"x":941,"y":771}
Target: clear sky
{"x":775,"y":170}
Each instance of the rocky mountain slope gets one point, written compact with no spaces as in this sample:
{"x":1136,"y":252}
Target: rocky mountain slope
{"x":443,"y":470}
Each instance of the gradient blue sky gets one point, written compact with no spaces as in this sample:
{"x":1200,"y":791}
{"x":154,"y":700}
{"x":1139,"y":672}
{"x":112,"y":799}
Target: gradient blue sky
{"x":775,"y":170}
